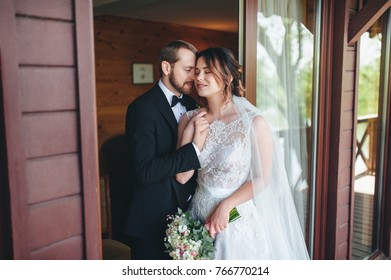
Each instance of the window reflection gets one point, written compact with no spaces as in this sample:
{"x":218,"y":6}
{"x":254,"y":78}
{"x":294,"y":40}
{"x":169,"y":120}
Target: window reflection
{"x":285,"y":67}
{"x":367,"y":143}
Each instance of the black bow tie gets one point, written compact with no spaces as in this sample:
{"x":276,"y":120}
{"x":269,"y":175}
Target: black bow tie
{"x":176,"y":99}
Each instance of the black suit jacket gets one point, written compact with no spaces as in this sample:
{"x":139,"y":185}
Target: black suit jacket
{"x":151,"y":131}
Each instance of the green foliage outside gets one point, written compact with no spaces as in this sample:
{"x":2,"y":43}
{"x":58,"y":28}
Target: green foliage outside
{"x":368,"y":88}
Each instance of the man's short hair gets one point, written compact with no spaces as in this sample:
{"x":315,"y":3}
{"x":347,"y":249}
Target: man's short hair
{"x":169,"y":52}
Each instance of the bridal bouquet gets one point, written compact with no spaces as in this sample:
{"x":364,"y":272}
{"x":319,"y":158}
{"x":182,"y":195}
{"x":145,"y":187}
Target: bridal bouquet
{"x":188,"y":239}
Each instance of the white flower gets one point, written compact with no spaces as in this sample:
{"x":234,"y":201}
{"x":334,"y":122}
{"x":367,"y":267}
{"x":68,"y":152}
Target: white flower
{"x":182,"y":228}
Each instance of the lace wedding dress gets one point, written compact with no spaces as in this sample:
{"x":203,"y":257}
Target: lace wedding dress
{"x":225,"y":166}
{"x":227,"y":162}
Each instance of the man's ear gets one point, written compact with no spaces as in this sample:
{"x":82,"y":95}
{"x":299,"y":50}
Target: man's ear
{"x":166,"y":68}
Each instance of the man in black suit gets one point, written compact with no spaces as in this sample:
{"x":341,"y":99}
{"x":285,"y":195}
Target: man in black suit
{"x":151,"y":131}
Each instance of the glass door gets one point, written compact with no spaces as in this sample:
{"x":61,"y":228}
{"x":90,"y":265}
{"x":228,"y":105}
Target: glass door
{"x":286,"y":89}
{"x":374,"y":50}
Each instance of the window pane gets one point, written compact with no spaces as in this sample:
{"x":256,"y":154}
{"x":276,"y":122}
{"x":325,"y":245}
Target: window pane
{"x":285,"y":72}
{"x":367,"y":143}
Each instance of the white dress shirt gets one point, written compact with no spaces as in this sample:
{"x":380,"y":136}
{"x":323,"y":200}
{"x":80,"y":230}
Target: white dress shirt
{"x":178,"y":109}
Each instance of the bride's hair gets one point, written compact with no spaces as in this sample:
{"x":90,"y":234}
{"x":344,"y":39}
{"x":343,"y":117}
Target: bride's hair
{"x":224,"y":66}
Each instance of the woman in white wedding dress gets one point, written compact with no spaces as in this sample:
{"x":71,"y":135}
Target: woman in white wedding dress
{"x":241,"y":166}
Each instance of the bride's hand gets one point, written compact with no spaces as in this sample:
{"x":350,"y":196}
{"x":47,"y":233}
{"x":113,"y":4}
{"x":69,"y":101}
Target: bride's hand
{"x":218,"y":220}
{"x":201,"y":125}
{"x":188,"y":132}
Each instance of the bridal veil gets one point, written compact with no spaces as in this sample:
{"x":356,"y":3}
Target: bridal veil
{"x":272,"y":195}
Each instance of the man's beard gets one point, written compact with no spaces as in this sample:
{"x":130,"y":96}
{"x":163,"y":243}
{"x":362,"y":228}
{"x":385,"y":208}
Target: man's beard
{"x":181,"y":88}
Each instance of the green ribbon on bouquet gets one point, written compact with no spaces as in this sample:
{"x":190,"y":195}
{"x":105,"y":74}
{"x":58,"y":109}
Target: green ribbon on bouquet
{"x":233,"y":215}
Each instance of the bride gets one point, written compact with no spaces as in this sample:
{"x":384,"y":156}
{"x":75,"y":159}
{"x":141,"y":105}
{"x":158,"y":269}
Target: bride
{"x":241,"y":166}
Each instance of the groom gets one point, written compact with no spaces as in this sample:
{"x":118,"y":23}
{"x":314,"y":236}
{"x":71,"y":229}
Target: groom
{"x":151,"y":131}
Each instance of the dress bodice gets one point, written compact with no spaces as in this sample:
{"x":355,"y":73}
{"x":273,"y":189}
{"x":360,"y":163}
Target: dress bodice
{"x":225,"y":161}
{"x":225,"y":157}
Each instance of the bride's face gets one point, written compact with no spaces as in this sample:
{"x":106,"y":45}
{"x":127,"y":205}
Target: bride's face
{"x":205,"y":80}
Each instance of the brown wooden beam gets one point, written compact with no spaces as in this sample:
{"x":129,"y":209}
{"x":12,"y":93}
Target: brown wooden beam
{"x":365,"y":18}
{"x":250,"y":51}
{"x":88,"y":127}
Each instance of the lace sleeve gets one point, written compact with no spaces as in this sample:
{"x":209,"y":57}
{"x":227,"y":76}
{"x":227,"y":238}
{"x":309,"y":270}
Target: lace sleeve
{"x":191,"y":113}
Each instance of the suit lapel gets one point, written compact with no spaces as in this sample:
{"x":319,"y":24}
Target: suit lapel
{"x":164,"y":108}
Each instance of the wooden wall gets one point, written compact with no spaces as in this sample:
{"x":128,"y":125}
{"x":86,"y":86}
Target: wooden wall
{"x":50,"y":128}
{"x":120,"y":42}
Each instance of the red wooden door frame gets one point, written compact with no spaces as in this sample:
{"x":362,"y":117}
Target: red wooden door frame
{"x":88,"y":127}
{"x":13,"y":130}
{"x":13,"y":144}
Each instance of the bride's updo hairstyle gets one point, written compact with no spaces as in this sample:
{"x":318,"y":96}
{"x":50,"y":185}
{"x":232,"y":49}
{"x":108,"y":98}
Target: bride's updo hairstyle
{"x":224,"y":66}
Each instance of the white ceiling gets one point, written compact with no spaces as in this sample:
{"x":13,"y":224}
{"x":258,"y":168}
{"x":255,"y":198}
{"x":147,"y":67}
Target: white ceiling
{"x":211,"y":14}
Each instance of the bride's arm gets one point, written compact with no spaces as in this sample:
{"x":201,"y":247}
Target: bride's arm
{"x":218,"y":220}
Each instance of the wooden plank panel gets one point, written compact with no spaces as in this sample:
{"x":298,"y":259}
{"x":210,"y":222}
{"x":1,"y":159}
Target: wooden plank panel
{"x":349,"y":81}
{"x":344,"y":196}
{"x":50,"y":133}
{"x":54,"y":221}
{"x":350,"y":60}
{"x":44,"y":42}
{"x":62,"y":177}
{"x":116,"y":51}
{"x":346,"y":139}
{"x":344,"y":177}
{"x":68,"y":249}
{"x":342,"y":250}
{"x":345,"y":158}
{"x":343,"y":216}
{"x":117,"y":29}
{"x":123,"y":80}
{"x":110,"y":111}
{"x":114,"y":97}
{"x":114,"y":121}
{"x":44,"y":89}
{"x":59,"y":9}
{"x":347,"y":121}
{"x":347,"y":101}
{"x":113,"y":66}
